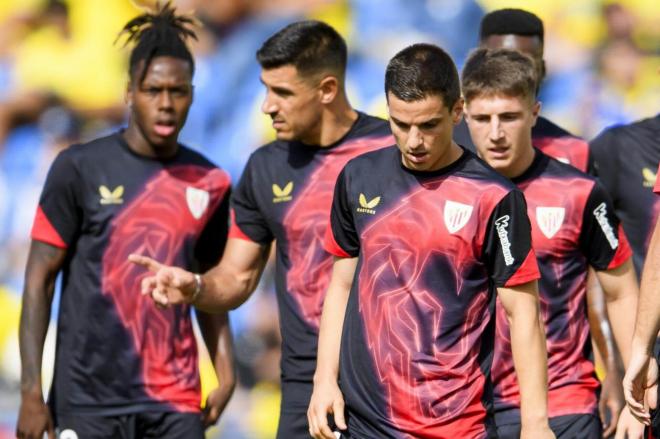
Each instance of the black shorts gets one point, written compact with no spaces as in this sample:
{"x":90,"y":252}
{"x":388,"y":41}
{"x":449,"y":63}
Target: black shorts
{"x":166,"y":425}
{"x":293,"y":411}
{"x":565,"y":427}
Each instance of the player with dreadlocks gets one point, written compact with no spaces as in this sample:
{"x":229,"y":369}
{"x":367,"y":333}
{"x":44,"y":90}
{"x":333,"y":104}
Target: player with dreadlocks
{"x":123,"y":367}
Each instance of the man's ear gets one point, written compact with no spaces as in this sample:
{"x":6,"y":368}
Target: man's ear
{"x":328,"y":89}
{"x":457,"y":111}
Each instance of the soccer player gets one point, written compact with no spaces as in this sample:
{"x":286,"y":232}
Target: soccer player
{"x":573,"y":227}
{"x":626,"y":158}
{"x":523,"y":31}
{"x":642,"y":372}
{"x":285,"y":195}
{"x":123,"y":367}
{"x":424,"y":234}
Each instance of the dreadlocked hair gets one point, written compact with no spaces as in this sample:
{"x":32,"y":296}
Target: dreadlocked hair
{"x":163,"y":33}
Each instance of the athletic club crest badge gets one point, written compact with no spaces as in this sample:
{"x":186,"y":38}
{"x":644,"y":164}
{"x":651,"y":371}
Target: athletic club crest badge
{"x":456,"y":215}
{"x":198,"y":201}
{"x":550,"y":220}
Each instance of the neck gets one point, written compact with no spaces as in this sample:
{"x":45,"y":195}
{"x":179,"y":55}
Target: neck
{"x":337,"y":120}
{"x":139,"y":144}
{"x":453,"y":153}
{"x":522,"y":164}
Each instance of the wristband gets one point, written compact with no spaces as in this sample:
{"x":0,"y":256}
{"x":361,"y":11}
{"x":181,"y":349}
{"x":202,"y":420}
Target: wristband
{"x":198,"y":288}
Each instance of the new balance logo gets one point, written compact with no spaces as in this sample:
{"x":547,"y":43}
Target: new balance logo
{"x":649,"y":177}
{"x":111,"y":197}
{"x":456,"y":215}
{"x":282,"y":194}
{"x":501,"y":225}
{"x":367,"y":206}
{"x":600,"y":213}
{"x":550,"y":219}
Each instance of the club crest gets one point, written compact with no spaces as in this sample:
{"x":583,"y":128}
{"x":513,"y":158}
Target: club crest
{"x":550,"y":219}
{"x":198,"y":201}
{"x":456,"y":215}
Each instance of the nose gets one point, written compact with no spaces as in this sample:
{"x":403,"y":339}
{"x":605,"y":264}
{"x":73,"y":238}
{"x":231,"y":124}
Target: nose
{"x":495,"y":129}
{"x":268,"y":106}
{"x":415,"y":138}
{"x":165,"y":101}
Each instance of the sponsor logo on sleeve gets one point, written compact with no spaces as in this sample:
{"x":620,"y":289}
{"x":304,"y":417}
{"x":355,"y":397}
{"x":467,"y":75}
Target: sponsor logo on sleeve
{"x":456,"y":215}
{"x":600,"y":213}
{"x":198,"y":201}
{"x":501,"y":225}
{"x":282,"y":195}
{"x":111,"y":196}
{"x":649,"y":177}
{"x":550,"y":219}
{"x":367,"y":206}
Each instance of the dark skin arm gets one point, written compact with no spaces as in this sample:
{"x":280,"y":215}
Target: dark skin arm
{"x":44,"y":262}
{"x":217,"y":337}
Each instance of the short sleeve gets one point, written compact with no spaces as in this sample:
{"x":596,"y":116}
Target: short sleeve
{"x":341,"y":238}
{"x":605,"y":161}
{"x":248,"y":221}
{"x":59,"y":214}
{"x":212,"y":240}
{"x":508,"y":252}
{"x":602,"y":239}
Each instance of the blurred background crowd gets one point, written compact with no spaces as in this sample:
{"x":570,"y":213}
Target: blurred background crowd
{"x":62,"y":81}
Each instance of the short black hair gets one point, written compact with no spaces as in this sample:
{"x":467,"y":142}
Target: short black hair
{"x":511,"y":22}
{"x":163,"y":33}
{"x":420,"y":71}
{"x":310,"y":46}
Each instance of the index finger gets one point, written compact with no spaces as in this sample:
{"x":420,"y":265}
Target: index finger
{"x":145,"y":261}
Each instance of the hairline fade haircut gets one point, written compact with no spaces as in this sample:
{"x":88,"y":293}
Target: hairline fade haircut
{"x":312,"y":47}
{"x":493,"y":72}
{"x":511,"y":21}
{"x":162,"y":33}
{"x":420,"y":71}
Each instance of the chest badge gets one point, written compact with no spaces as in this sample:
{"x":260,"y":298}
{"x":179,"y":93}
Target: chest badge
{"x":649,"y":177}
{"x":550,"y":220}
{"x":280,"y":194}
{"x":367,"y":206}
{"x":198,"y":201}
{"x":456,"y":215}
{"x":111,"y":197}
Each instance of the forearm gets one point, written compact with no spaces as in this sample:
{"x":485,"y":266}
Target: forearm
{"x":332,"y":321}
{"x":35,"y":316}
{"x":530,"y":360}
{"x":648,"y":314}
{"x":218,"y":340}
{"x":601,"y":331}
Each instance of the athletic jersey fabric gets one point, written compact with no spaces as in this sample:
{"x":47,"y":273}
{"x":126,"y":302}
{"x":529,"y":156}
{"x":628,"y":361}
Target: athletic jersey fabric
{"x":116,"y":352}
{"x":625,"y":157}
{"x":417,"y":339}
{"x":285,"y":195}
{"x":573,"y":226}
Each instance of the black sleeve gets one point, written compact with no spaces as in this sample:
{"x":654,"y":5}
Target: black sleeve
{"x":212,"y":240}
{"x":602,"y":240}
{"x":508,"y":252}
{"x":59,"y":216}
{"x":605,"y":161}
{"x":248,"y":216}
{"x":341,"y":237}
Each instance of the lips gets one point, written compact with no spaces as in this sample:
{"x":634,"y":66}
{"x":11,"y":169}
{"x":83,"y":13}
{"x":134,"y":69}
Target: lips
{"x":499,"y":152}
{"x":418,"y":157}
{"x":164,"y":128}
